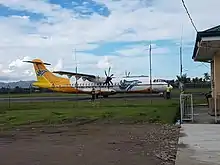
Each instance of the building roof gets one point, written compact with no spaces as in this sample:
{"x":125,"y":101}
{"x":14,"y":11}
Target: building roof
{"x":212,"y":32}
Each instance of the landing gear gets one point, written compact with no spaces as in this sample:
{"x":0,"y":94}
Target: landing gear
{"x":161,"y":94}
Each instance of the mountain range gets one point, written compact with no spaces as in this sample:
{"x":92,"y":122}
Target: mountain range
{"x":21,"y":84}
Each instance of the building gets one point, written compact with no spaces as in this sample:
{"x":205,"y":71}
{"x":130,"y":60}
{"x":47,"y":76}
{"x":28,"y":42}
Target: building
{"x":207,"y":49}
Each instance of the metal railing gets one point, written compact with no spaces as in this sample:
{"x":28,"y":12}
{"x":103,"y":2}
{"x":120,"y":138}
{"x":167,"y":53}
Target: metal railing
{"x":186,"y":107}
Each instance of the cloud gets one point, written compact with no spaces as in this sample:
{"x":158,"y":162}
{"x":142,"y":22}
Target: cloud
{"x":142,"y":50}
{"x":60,"y":30}
{"x":16,"y":70}
{"x":28,"y":72}
{"x":156,"y":23}
{"x":18,"y":63}
{"x":7,"y":71}
{"x":59,"y":65}
{"x":104,"y":63}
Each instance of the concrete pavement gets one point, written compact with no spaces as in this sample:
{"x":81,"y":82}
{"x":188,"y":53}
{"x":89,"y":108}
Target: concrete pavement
{"x":199,"y":144}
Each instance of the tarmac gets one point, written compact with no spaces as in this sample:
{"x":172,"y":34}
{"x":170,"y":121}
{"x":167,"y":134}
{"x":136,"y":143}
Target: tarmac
{"x":79,"y":98}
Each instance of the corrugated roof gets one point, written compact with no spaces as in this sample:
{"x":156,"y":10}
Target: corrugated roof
{"x":214,"y":31}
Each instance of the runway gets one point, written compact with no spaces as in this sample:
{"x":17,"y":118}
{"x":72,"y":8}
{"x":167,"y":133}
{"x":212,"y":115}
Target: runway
{"x":87,"y":97}
{"x":80,"y":98}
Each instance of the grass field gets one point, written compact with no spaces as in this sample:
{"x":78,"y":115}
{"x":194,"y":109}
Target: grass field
{"x":146,"y":110}
{"x":64,"y":112}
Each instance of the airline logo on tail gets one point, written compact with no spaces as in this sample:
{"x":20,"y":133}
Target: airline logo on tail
{"x":41,"y":72}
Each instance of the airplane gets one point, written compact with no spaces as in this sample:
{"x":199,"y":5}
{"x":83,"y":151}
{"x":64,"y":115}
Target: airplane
{"x":84,"y":83}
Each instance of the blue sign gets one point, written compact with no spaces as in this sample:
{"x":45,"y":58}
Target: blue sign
{"x":41,"y":72}
{"x":127,"y":85}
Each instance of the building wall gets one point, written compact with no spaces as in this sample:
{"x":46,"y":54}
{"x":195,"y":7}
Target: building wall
{"x":215,"y":79}
{"x":217,"y":74}
{"x":212,"y":77}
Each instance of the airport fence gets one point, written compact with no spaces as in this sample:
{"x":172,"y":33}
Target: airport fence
{"x":33,"y":103}
{"x":29,"y":95}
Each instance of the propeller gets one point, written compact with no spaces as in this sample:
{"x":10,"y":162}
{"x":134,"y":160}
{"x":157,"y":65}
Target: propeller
{"x":127,"y":74}
{"x":108,"y":80}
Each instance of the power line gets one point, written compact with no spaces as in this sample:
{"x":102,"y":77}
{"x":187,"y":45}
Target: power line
{"x":191,"y":20}
{"x":205,"y":65}
{"x":200,"y":65}
{"x":184,"y":5}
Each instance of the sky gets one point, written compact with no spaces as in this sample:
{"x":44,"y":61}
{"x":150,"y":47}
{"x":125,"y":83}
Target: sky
{"x":96,"y":34}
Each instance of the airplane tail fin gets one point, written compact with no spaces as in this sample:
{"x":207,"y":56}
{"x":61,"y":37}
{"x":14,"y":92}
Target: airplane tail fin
{"x":45,"y":78}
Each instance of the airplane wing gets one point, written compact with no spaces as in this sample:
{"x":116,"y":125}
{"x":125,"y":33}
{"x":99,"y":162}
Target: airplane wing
{"x":77,"y":75}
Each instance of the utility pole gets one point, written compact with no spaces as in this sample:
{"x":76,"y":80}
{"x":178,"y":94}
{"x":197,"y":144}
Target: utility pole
{"x":181,"y":60}
{"x":76,"y":85}
{"x":150,"y":67}
{"x":150,"y":71}
{"x":76,"y":66}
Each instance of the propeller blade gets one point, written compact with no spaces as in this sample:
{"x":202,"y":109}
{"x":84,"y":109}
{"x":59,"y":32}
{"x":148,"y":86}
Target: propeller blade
{"x":111,"y":82}
{"x":112,"y":75}
{"x":109,"y":69}
{"x":106,"y":74}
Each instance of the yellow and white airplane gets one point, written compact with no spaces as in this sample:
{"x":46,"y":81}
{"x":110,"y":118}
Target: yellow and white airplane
{"x":85,"y":83}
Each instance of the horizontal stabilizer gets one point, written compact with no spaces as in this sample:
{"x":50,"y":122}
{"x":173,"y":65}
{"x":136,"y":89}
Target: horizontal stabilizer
{"x":35,"y":62}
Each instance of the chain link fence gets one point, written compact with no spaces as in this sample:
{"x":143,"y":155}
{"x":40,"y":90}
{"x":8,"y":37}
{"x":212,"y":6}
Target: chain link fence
{"x":31,"y":94}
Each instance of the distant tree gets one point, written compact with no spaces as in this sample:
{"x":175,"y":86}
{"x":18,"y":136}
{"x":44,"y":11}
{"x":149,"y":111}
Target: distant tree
{"x":196,"y":79}
{"x":183,"y":78}
{"x":188,"y":80}
{"x":17,"y":89}
{"x":200,"y":80}
{"x":207,"y":76}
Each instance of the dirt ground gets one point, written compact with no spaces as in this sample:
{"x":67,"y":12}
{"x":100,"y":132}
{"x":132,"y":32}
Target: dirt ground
{"x":91,"y":144}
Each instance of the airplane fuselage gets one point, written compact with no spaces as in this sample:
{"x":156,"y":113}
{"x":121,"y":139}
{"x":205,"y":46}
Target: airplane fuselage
{"x":119,"y":85}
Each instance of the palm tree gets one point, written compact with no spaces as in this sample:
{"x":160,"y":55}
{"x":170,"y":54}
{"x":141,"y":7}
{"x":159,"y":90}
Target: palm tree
{"x":206,"y":76}
{"x":182,"y":78}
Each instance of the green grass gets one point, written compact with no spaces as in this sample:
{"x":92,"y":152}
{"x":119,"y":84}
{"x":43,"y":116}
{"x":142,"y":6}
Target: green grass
{"x":192,"y":90}
{"x":59,"y":112}
{"x":115,"y":110}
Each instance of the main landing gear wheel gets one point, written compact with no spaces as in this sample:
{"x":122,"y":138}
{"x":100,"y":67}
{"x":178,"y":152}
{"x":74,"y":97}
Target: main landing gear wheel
{"x":105,"y":96}
{"x":162,"y":94}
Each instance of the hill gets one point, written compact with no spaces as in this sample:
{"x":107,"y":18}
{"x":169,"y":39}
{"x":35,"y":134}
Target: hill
{"x":21,"y":84}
